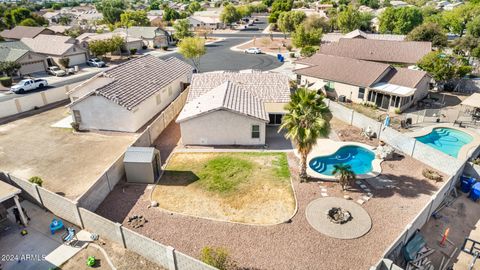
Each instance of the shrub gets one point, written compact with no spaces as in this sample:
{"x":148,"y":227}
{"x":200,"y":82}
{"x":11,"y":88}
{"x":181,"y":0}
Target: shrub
{"x":292,"y":55}
{"x":308,"y":51}
{"x":165,"y":48}
{"x":398,"y":111}
{"x":289,"y":48}
{"x":217,"y":257}
{"x":432,"y":175}
{"x":36,"y":180}
{"x":75,"y":126}
{"x":64,"y":62}
{"x":6,"y":81}
{"x":144,"y":47}
{"x":133,"y":51}
{"x":476,"y":161}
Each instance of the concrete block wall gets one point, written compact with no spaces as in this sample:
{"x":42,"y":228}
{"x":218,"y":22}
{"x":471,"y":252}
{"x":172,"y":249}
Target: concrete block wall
{"x":472,"y":170}
{"x":8,"y":108}
{"x":60,"y":206}
{"x":362,"y":121}
{"x":398,"y":140}
{"x":340,"y":111}
{"x":95,"y":195}
{"x":150,"y":249}
{"x":101,"y":226}
{"x":26,"y":186}
{"x":185,"y":262}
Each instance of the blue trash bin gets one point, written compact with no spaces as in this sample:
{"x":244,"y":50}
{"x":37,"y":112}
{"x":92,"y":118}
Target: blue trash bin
{"x":467,"y":183}
{"x":279,"y":56}
{"x":475,"y":193}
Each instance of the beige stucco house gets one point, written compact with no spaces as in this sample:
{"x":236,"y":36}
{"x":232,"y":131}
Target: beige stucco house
{"x":233,"y":108}
{"x":30,"y":62}
{"x":359,"y":81}
{"x":127,"y":96}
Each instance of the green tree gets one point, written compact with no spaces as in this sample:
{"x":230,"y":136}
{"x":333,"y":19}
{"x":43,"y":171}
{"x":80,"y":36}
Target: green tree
{"x":155,"y":5}
{"x":111,"y":9}
{"x":229,"y":14}
{"x":101,"y":47}
{"x":456,"y":20}
{"x":348,"y":19}
{"x":193,"y":7}
{"x":64,"y":20}
{"x":467,"y":45}
{"x":244,"y":11}
{"x":344,"y":174}
{"x":429,"y":32}
{"x":182,"y":29}
{"x":473,"y":27}
{"x":400,"y":20}
{"x":9,"y":67}
{"x":301,"y":37}
{"x":56,"y":6}
{"x":134,"y":18}
{"x":28,"y":22}
{"x":443,"y":67}
{"x":282,"y":5}
{"x":287,"y":21}
{"x":370,"y":3}
{"x":304,"y":123}
{"x":316,"y":22}
{"x":192,"y":48}
{"x":170,"y":14}
{"x":20,"y":14}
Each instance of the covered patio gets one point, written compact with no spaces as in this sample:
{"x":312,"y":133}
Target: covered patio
{"x":390,"y":96}
{"x":471,"y":106}
{"x":8,"y":192}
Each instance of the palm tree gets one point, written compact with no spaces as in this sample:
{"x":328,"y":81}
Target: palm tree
{"x":305,"y":122}
{"x":344,"y":173}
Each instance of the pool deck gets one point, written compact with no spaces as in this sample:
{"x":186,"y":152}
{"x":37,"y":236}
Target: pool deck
{"x":466,"y":151}
{"x":325,"y":147}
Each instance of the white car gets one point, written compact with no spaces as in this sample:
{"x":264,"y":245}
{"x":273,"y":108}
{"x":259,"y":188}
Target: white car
{"x":95,"y":62}
{"x":253,"y":51}
{"x":55,"y":71}
{"x":28,"y":85}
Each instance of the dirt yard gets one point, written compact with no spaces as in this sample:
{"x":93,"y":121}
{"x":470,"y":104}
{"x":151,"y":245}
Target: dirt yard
{"x":67,"y":162}
{"x":250,"y":188}
{"x":277,"y":45}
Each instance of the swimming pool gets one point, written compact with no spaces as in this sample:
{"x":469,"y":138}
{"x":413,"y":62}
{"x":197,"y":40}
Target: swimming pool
{"x":447,"y":140}
{"x":359,"y":158}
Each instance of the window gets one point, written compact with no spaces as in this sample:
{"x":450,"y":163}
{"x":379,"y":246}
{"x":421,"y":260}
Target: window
{"x":329,"y":86}
{"x":159,"y":99}
{"x":76,"y":116}
{"x":255,"y":131}
{"x":361,"y":92}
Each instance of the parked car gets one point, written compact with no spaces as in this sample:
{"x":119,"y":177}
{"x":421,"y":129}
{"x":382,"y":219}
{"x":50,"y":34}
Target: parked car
{"x":28,"y":85}
{"x":95,"y":62}
{"x":253,"y":50}
{"x":55,"y":71}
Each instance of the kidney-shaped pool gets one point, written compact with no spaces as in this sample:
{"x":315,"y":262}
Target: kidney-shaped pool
{"x":359,"y":158}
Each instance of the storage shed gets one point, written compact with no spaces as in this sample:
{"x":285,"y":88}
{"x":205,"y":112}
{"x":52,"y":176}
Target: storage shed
{"x":142,"y":164}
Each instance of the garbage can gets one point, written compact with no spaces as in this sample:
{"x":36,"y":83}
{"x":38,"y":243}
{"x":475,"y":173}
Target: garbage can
{"x":466,"y":183}
{"x":475,"y":193}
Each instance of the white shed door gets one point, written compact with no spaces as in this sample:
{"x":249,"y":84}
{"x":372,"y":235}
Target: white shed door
{"x":77,"y":59}
{"x":32,"y":67}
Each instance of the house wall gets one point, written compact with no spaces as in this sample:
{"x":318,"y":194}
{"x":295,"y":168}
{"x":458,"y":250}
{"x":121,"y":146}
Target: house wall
{"x":349,"y":91}
{"x":32,"y":62}
{"x":422,"y":89}
{"x":275,"y":107}
{"x":221,"y":128}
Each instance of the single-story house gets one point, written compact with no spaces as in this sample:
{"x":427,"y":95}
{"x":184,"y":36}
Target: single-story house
{"x":384,"y":51}
{"x":30,"y":62}
{"x":19,"y":32}
{"x":131,"y":43}
{"x":55,"y":47}
{"x":59,"y":29}
{"x":336,"y":36}
{"x":153,"y":37}
{"x":360,"y":81}
{"x":211,"y":23}
{"x":233,"y":108}
{"x":125,"y":97}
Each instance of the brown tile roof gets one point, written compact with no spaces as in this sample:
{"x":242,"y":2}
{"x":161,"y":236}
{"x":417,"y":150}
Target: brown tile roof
{"x":404,"y":77}
{"x":19,"y":32}
{"x":342,"y":69}
{"x":404,"y":52}
{"x":51,"y":44}
{"x":135,"y":81}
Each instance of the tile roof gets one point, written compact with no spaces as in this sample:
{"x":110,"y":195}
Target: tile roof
{"x":342,"y":69}
{"x":140,"y":31}
{"x":407,"y":52}
{"x":19,"y":32}
{"x":14,"y":45}
{"x":266,"y":86}
{"x":228,"y":96}
{"x":404,"y":77}
{"x":9,"y":54}
{"x":133,"y":82}
{"x":49,"y":44}
{"x":335,"y":37}
{"x":87,"y":37}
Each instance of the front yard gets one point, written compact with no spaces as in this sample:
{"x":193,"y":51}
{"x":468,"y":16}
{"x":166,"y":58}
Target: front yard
{"x":250,"y":188}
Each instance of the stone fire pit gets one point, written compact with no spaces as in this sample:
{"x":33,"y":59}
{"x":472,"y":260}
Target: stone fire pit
{"x":338,"y":218}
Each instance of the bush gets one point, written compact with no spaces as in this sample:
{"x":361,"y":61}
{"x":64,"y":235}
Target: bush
{"x":64,"y":62}
{"x":308,"y":51}
{"x":133,"y":51}
{"x":289,"y":48}
{"x":6,"y":81}
{"x":432,"y":175}
{"x":36,"y":180}
{"x":75,"y":126}
{"x":398,"y":111}
{"x":217,"y":257}
{"x":165,"y":48}
{"x":292,"y":55}
{"x":144,"y":47}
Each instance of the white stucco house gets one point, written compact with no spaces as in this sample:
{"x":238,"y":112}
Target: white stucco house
{"x":359,"y":81}
{"x":127,"y":96}
{"x":233,"y":108}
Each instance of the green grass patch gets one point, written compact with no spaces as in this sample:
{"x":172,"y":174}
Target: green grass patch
{"x":281,"y":166}
{"x":224,"y":173}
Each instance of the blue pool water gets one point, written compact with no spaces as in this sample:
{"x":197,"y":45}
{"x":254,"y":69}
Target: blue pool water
{"x":359,"y":158}
{"x":447,"y":140}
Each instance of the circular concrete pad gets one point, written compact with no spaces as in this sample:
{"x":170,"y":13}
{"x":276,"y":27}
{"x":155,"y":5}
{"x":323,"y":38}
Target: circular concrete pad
{"x":359,"y":225}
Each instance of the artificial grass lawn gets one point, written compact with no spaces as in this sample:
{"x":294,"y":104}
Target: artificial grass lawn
{"x":244,"y":187}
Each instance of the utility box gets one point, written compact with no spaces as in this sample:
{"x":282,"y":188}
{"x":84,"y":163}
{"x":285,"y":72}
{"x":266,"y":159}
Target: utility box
{"x":142,"y":164}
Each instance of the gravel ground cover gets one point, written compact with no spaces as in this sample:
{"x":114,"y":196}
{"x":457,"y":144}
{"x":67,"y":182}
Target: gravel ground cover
{"x":294,"y":244}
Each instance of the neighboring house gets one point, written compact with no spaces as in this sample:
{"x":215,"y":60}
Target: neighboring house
{"x":127,"y":96}
{"x":55,"y":47}
{"x":452,"y":6}
{"x":361,"y":81}
{"x":153,"y":37}
{"x":131,"y":43}
{"x":233,"y":108}
{"x":211,"y":23}
{"x":17,"y":52}
{"x":311,"y":11}
{"x":335,"y":37}
{"x":19,"y":32}
{"x":59,"y":29}
{"x":385,"y":51}
{"x":322,"y":7}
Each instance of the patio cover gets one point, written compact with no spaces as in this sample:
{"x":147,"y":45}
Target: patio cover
{"x":472,"y":101}
{"x":317,"y":85}
{"x":393,"y":89}
{"x":7,"y":191}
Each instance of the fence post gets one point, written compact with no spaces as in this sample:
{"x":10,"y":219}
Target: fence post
{"x":79,"y":216}
{"x":120,"y":234}
{"x":351,"y":118}
{"x":108,"y":181}
{"x":172,"y":262}
{"x":39,"y":198}
{"x":407,"y":229}
{"x":413,"y":148}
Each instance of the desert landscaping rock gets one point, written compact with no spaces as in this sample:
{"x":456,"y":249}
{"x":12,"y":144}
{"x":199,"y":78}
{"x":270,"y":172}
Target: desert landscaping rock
{"x":358,"y":225}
